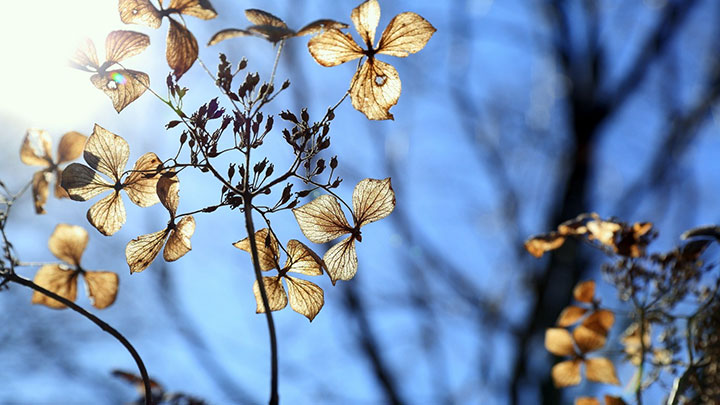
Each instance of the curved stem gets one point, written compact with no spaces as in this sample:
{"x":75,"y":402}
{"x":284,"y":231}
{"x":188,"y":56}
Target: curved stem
{"x":274,"y":397}
{"x":97,"y":321}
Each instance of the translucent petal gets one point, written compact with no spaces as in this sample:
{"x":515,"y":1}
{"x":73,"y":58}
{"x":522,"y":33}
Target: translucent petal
{"x":341,"y":260}
{"x":570,"y":315}
{"x":588,"y":340}
{"x":319,"y":26}
{"x":306,"y":298}
{"x":586,"y":401}
{"x":106,"y":153}
{"x":120,"y":45}
{"x":83,"y":183}
{"x":40,"y":191}
{"x":365,"y":17}
{"x":602,"y":370}
{"x":566,"y":373}
{"x":227,"y":34}
{"x":538,"y":245}
{"x":182,"y":48}
{"x":141,"y":251}
{"x":68,"y":242}
{"x":584,"y":291}
{"x":85,"y":57}
{"x":333,"y":47}
{"x":178,"y":243}
{"x":168,"y":191}
{"x":122,"y":86}
{"x":277,"y":299}
{"x":195,"y":8}
{"x":36,"y":149}
{"x":71,"y":146}
{"x":260,"y":17}
{"x":108,"y":214}
{"x":139,"y":12}
{"x":405,"y":34}
{"x":375,"y":88}
{"x":58,"y":280}
{"x":559,"y":342}
{"x":301,"y":259}
{"x":322,"y":219}
{"x":141,"y":183}
{"x":102,"y":287}
{"x":373,"y":200}
{"x":271,"y":33}
{"x":267,"y":254}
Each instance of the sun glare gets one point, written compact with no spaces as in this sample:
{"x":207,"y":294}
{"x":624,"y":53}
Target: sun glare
{"x":38,"y":87}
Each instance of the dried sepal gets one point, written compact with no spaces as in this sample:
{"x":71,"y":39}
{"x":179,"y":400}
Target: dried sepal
{"x":588,"y":340}
{"x":319,"y":26}
{"x":584,"y":291}
{"x":277,"y":299}
{"x":376,"y":88}
{"x":559,"y":342}
{"x":182,"y":48}
{"x":168,"y":191}
{"x":586,"y":401}
{"x":178,"y":243}
{"x":68,"y":242}
{"x":106,"y":152}
{"x":333,"y":47}
{"x":373,"y":200}
{"x":301,"y":259}
{"x":603,"y":231}
{"x":108,"y":214}
{"x":141,"y":183}
{"x":227,"y":34}
{"x":600,"y":321}
{"x":341,"y":260}
{"x":57,"y":279}
{"x":36,"y":149}
{"x":613,"y":400}
{"x":260,"y":17}
{"x":267,"y":254}
{"x":322,"y":219}
{"x":539,"y":244}
{"x":602,"y":370}
{"x":83,"y":183}
{"x":201,"y":9}
{"x":570,"y":315}
{"x":271,"y":33}
{"x":71,"y":146}
{"x":366,"y":17}
{"x":405,"y":34}
{"x":102,"y":287}
{"x":85,"y":57}
{"x":40,"y":191}
{"x":141,"y":251}
{"x":139,"y":12}
{"x":121,"y":86}
{"x":306,"y":298}
{"x":566,"y":373}
{"x":120,"y":45}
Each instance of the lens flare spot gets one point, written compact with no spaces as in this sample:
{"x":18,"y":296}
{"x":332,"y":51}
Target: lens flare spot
{"x":118,"y":78}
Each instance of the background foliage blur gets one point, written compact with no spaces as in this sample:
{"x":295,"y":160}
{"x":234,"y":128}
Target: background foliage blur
{"x":516,"y":116}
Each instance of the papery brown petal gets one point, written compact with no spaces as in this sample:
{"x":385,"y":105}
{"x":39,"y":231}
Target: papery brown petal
{"x":121,"y":44}
{"x":584,"y":291}
{"x":539,"y":244}
{"x":373,"y":200}
{"x":375,"y":88}
{"x":260,"y":17}
{"x":322,"y":219}
{"x":613,"y":400}
{"x":559,"y":342}
{"x":570,"y":315}
{"x":141,"y":183}
{"x":141,"y":251}
{"x":306,"y":298}
{"x":106,"y":153}
{"x":566,"y":373}
{"x":168,"y":191}
{"x":40,"y":191}
{"x":139,"y":12}
{"x":71,"y":146}
{"x":277,"y":299}
{"x":58,"y":280}
{"x":59,"y":191}
{"x":102,"y":287}
{"x":301,"y":259}
{"x":602,"y":370}
{"x":405,"y":34}
{"x":575,"y":226}
{"x":68,"y":243}
{"x":267,"y":255}
{"x":587,"y":339}
{"x":85,"y":57}
{"x":271,"y":33}
{"x":122,"y":86}
{"x":83,"y":183}
{"x":227,"y":34}
{"x":586,"y":401}
{"x":195,"y":8}
{"x":600,"y":321}
{"x":365,"y":17}
{"x":341,"y":260}
{"x":36,"y":149}
{"x":182,"y":48}
{"x":318,"y":26}
{"x":108,"y":214}
{"x":603,"y":231}
{"x":333,"y":47}
{"x":178,"y":243}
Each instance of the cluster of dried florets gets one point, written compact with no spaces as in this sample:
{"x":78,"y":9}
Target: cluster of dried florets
{"x":672,"y":294}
